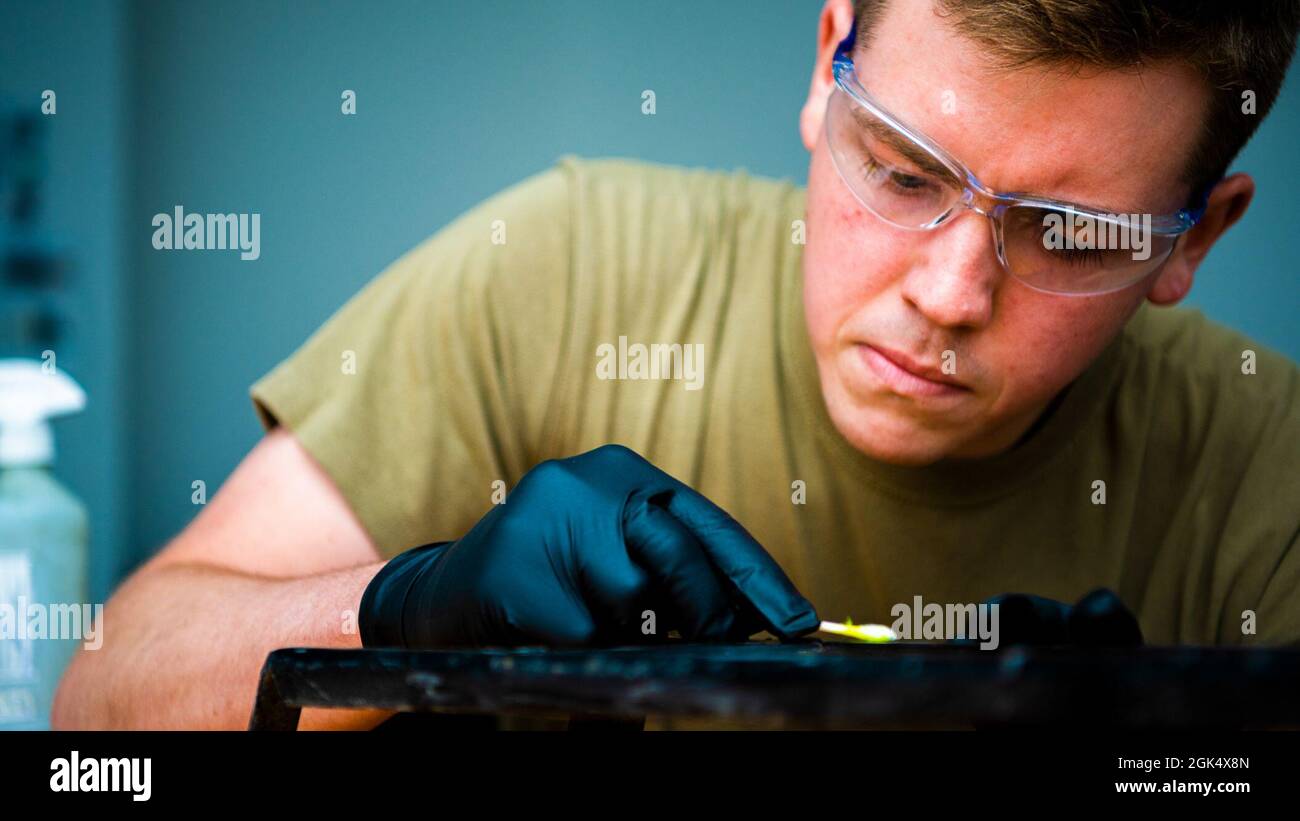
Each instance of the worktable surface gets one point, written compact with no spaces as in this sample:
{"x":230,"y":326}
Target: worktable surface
{"x":810,"y":684}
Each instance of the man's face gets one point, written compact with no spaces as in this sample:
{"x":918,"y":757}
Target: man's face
{"x":884,"y":304}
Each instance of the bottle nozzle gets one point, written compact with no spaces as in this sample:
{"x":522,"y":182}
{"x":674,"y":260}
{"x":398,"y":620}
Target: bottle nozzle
{"x":30,"y":394}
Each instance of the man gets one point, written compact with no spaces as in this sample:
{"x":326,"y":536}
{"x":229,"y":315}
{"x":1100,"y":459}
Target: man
{"x":893,"y":399}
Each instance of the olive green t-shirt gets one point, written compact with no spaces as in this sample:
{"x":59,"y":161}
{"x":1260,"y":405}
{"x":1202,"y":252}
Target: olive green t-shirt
{"x":499,"y":343}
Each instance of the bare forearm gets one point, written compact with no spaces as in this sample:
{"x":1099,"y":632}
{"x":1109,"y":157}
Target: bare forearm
{"x":183,"y":646}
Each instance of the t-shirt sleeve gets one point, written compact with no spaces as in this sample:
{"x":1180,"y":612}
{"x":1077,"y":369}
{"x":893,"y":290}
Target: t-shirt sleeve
{"x":428,"y":392}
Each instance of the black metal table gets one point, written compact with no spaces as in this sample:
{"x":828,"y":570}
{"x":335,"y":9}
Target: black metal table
{"x":809,"y":684}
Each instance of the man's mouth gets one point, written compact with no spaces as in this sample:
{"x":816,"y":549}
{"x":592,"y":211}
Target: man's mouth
{"x":907,"y":376}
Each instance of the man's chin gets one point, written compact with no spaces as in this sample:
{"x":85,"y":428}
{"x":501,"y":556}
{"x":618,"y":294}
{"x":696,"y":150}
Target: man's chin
{"x":885,"y":437}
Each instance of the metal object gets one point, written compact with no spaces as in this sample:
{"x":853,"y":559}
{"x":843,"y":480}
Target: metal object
{"x":805,"y":685}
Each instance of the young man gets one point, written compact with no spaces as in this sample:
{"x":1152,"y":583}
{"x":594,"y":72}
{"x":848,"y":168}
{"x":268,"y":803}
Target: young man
{"x":892,"y":380}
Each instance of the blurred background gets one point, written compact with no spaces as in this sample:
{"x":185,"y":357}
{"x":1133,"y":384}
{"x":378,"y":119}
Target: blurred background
{"x":235,"y":107}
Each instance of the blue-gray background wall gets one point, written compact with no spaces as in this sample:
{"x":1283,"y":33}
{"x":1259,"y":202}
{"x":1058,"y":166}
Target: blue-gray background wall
{"x":234,"y":107}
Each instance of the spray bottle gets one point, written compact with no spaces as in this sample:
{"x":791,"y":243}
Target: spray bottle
{"x":42,"y":546}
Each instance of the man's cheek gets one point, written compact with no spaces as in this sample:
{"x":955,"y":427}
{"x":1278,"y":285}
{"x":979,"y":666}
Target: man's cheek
{"x":846,"y":274}
{"x":833,"y":295}
{"x":1028,"y":375}
{"x":1055,"y":340}
{"x":829,"y":288}
{"x":825,"y":308}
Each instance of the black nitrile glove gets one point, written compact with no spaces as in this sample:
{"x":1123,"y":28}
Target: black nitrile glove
{"x":580,"y":549}
{"x":1099,"y":619}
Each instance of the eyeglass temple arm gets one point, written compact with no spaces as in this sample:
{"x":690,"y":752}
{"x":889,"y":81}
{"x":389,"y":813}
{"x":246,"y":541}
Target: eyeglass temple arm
{"x":845,"y":48}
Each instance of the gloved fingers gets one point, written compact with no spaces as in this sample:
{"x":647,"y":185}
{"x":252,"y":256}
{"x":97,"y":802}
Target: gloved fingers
{"x":768,"y":598}
{"x":1100,"y":619}
{"x":700,"y":605}
{"x":1028,"y":619}
{"x":780,"y":607}
{"x":571,"y":509}
{"x":470,"y":599}
{"x":602,"y":576}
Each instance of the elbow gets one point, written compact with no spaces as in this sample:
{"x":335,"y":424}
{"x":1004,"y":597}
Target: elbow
{"x":67,"y":712}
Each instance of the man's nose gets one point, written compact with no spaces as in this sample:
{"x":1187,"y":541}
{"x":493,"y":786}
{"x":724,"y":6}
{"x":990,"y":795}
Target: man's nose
{"x":957,"y":273}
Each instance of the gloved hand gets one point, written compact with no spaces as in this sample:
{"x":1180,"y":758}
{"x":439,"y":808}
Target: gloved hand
{"x":1099,"y":619}
{"x":581,"y":547}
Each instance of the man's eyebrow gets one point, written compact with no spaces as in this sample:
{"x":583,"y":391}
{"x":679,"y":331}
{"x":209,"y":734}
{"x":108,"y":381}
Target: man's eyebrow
{"x":914,"y":153}
{"x":926,"y":162}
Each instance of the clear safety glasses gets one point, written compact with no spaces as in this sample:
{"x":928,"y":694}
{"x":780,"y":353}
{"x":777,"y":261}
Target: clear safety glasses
{"x":903,"y":178}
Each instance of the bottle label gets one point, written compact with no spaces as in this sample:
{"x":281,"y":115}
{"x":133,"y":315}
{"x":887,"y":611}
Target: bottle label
{"x":17,"y":664}
{"x":16,"y":659}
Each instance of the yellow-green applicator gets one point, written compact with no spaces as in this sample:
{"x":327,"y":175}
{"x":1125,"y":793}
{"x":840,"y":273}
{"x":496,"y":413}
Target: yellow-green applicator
{"x":874,"y":633}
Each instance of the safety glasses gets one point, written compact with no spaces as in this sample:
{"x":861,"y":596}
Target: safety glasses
{"x":905,"y":179}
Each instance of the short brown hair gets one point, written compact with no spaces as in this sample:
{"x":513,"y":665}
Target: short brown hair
{"x":1235,"y":45}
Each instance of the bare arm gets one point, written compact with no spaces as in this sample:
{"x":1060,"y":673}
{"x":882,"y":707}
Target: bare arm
{"x":277,"y":559}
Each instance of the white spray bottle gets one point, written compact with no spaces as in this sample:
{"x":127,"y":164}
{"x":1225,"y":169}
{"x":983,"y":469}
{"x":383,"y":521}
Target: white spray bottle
{"x":42,"y":546}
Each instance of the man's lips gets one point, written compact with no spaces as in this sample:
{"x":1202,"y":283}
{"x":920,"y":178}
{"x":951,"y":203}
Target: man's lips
{"x":906,"y":376}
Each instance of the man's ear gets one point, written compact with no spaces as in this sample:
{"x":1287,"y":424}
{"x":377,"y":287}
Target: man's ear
{"x":1228,"y":202}
{"x":832,"y":27}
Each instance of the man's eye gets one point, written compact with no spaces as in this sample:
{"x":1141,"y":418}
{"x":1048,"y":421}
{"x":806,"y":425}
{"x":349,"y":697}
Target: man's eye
{"x":899,"y":181}
{"x":908,"y":182}
{"x":1081,"y":257}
